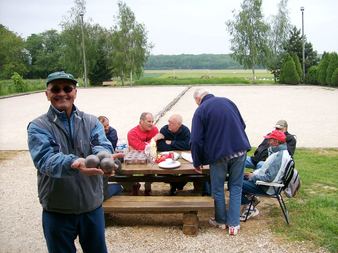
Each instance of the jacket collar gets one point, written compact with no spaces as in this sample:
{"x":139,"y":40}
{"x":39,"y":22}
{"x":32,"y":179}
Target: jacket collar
{"x":206,"y":97}
{"x":55,"y":114}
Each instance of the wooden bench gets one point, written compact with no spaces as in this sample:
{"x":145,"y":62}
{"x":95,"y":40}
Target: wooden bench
{"x":188,"y":205}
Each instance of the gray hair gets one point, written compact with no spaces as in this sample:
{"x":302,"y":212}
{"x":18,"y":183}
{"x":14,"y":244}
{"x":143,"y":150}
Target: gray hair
{"x":144,"y":115}
{"x":200,"y":93}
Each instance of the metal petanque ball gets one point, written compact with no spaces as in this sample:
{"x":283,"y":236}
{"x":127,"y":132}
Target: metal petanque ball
{"x":92,"y":161}
{"x":103,"y":154}
{"x":118,"y":166}
{"x":107,"y":165}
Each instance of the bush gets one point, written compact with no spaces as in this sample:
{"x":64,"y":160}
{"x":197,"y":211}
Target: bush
{"x":333,"y":64}
{"x":289,"y":73}
{"x":311,"y":76}
{"x":298,"y":66}
{"x":334,"y":78}
{"x":322,"y":67}
{"x":19,"y":83}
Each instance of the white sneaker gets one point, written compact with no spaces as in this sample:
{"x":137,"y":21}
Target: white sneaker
{"x":233,"y":230}
{"x":252,"y":213}
{"x":214,"y":223}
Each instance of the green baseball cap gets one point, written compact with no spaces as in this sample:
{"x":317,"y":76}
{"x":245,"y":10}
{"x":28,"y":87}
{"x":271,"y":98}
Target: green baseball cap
{"x":60,"y":75}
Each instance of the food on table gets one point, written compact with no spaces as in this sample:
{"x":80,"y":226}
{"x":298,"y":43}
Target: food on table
{"x":163,"y":157}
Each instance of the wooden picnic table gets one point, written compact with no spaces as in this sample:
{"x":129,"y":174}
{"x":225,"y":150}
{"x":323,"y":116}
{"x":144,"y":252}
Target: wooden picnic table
{"x":151,"y":172}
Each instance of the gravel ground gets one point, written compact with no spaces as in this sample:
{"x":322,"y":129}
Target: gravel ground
{"x":21,"y":230}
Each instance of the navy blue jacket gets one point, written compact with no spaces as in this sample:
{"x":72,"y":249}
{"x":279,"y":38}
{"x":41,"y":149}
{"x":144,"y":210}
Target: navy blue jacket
{"x":218,"y":131}
{"x":112,"y":136}
{"x":180,"y":139}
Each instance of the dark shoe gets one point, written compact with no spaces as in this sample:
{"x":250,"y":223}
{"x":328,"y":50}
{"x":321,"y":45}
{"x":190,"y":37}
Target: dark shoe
{"x":172,"y":191}
{"x":181,"y":185}
{"x":136,"y":188}
{"x":147,"y":193}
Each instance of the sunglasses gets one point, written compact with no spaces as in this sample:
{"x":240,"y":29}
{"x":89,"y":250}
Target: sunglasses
{"x":66,"y":89}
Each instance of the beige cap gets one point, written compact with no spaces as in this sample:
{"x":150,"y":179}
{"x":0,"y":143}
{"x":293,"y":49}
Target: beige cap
{"x":281,"y":124}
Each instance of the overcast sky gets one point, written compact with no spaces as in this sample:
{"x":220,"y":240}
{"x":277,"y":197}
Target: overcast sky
{"x":175,"y":26}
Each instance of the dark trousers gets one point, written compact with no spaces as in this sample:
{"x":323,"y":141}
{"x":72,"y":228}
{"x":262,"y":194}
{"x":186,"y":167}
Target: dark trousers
{"x":61,"y":230}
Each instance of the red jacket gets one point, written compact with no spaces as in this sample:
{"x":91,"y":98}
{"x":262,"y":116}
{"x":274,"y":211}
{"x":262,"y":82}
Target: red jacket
{"x":138,"y":139}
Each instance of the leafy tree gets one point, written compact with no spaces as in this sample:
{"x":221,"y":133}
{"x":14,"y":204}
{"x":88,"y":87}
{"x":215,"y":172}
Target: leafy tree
{"x":72,"y":56}
{"x":322,"y":67}
{"x":45,"y":50}
{"x":99,"y":62}
{"x":295,"y":45}
{"x":334,"y":78}
{"x":277,"y":37}
{"x":13,"y":56}
{"x":333,"y":64}
{"x":97,"y":46}
{"x":311,"y":56}
{"x":289,"y":73}
{"x":248,"y":35}
{"x":130,"y":44}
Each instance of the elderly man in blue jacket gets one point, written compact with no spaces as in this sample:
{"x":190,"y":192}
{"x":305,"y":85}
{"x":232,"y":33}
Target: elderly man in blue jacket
{"x":70,"y":193}
{"x":218,"y":138}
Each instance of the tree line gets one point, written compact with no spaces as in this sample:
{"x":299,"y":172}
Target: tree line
{"x":123,"y":51}
{"x":190,"y":61}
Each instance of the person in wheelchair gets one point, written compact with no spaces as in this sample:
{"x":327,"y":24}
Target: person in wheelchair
{"x":272,"y":171}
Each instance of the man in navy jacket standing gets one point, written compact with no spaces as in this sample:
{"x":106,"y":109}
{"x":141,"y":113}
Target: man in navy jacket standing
{"x":218,"y":138}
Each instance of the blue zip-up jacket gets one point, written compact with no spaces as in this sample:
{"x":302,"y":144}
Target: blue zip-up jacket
{"x":274,"y":167}
{"x":217,"y":131}
{"x":55,"y":142}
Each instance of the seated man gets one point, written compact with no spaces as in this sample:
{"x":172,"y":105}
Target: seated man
{"x":271,"y":171}
{"x":111,"y":134}
{"x":138,"y":138}
{"x":256,"y":161}
{"x":174,"y":136}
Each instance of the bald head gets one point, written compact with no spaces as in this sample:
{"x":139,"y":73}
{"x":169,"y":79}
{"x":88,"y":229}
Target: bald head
{"x":175,"y":122}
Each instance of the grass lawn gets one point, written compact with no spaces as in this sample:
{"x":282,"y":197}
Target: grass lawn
{"x":314,"y":210}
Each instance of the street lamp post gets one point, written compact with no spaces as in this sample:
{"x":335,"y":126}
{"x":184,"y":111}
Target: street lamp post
{"x":83,"y":52}
{"x":303,"y":40}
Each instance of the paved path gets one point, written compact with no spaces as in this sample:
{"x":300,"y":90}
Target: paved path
{"x":311,"y":111}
